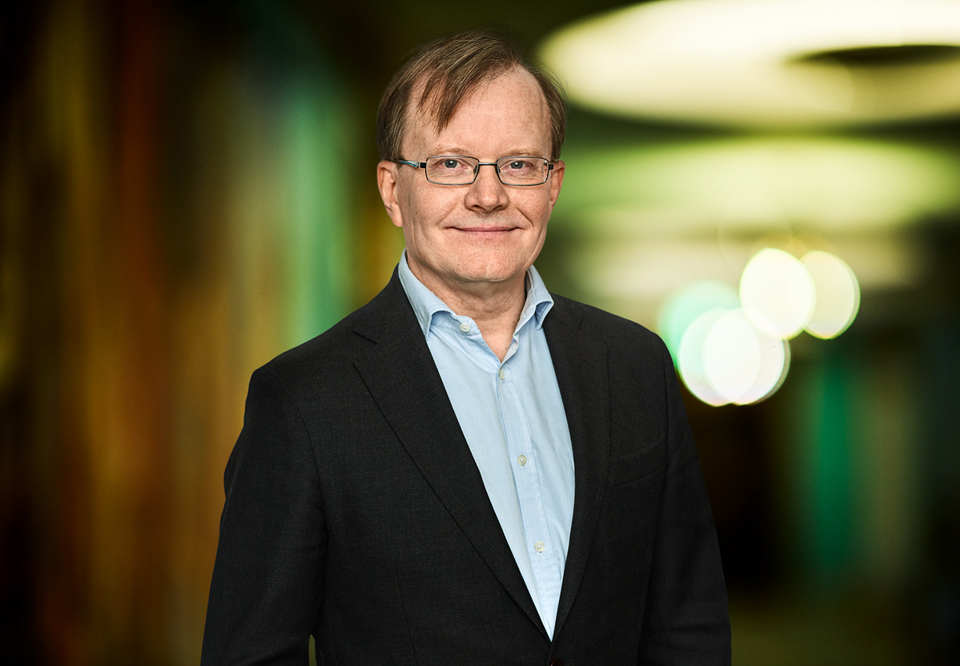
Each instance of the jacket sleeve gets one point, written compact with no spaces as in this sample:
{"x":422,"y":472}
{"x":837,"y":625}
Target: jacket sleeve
{"x":267,"y":580}
{"x":686,"y":619}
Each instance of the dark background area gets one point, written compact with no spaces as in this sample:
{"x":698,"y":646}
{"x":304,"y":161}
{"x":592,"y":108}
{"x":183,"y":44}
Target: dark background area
{"x":187,"y":189}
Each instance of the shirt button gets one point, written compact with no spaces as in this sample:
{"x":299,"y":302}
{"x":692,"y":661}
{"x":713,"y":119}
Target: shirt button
{"x":538,"y":546}
{"x":522,"y":460}
{"x":465,"y":327}
{"x":502,"y":373}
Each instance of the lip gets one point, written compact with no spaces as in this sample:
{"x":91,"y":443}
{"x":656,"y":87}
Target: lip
{"x":484,"y":230}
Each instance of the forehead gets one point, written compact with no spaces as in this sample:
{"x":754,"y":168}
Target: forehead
{"x":510,"y":106}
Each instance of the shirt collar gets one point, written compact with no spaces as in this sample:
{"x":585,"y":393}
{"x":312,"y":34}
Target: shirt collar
{"x":426,"y":304}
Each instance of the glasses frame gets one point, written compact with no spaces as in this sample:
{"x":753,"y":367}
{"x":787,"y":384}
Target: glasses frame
{"x":476,"y":171}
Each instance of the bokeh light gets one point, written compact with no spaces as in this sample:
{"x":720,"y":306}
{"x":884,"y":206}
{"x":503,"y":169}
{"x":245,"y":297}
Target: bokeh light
{"x":777,"y":293}
{"x":743,"y":364}
{"x":762,"y":63}
{"x":735,"y":349}
{"x":689,"y":303}
{"x":731,"y":355}
{"x":838,"y":294}
{"x":690,"y":358}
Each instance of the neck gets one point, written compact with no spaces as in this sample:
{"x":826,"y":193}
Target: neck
{"x":494,"y":306}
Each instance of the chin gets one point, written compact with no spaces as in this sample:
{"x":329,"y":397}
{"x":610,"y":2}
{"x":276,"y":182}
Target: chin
{"x":503,"y":264}
{"x":487,"y":271}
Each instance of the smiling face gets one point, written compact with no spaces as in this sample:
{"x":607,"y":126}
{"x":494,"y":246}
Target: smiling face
{"x":475,"y":239}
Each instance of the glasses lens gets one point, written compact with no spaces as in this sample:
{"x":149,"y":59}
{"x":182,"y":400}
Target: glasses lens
{"x":522,"y":170}
{"x":451,"y":169}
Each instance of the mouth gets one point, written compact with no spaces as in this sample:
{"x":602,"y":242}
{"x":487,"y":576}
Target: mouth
{"x":485,"y":230}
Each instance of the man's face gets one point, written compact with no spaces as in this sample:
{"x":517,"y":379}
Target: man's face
{"x":466,"y":237}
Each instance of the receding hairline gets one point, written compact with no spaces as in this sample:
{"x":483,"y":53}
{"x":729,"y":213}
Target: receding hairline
{"x":435,"y":81}
{"x":425,"y":105}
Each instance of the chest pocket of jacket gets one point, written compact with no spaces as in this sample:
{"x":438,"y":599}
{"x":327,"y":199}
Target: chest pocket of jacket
{"x":624,"y":469}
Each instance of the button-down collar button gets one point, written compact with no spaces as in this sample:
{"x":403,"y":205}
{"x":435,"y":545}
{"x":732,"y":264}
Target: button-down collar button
{"x":522,"y":459}
{"x":538,"y":546}
{"x":465,"y":327}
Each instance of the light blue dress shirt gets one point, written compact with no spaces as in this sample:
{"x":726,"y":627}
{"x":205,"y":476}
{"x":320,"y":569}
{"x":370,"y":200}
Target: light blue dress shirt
{"x":512,"y":417}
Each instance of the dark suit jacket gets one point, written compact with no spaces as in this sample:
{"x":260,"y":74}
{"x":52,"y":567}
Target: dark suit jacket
{"x":355,"y":512}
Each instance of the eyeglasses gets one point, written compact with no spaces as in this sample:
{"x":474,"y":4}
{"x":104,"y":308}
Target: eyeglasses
{"x":515,"y":170}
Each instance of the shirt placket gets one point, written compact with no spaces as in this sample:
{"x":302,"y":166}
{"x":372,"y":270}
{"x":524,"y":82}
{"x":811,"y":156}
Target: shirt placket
{"x":542,"y":551}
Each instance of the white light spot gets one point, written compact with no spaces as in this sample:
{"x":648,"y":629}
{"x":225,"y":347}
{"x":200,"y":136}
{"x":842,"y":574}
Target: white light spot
{"x":690,"y":358}
{"x":838,"y":294}
{"x":688,"y":304}
{"x":731,"y":355}
{"x":777,"y":293}
{"x":743,"y":364}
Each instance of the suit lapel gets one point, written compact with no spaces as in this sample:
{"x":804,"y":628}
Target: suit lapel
{"x":402,"y":377}
{"x":580,"y":364}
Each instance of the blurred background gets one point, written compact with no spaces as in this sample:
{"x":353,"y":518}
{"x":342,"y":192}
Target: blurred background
{"x":187,"y":189}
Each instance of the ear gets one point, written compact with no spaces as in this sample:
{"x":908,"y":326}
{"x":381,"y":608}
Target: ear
{"x":387,"y":173}
{"x":556,"y":181}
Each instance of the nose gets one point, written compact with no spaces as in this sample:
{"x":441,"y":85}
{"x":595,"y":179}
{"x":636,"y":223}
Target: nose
{"x":487,"y":193}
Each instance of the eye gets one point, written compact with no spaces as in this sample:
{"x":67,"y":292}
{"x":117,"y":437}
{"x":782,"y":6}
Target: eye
{"x":521,"y":167}
{"x":447,"y":164}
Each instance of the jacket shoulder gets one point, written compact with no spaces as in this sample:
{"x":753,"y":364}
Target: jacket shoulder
{"x":332,"y":352}
{"x":606,"y":327}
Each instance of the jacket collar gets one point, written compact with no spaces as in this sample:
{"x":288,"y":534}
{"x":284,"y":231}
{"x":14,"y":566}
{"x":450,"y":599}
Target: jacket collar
{"x":580,"y":362}
{"x":426,"y":304}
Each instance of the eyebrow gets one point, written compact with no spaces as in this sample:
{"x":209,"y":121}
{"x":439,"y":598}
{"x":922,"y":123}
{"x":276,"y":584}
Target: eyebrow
{"x":456,"y":150}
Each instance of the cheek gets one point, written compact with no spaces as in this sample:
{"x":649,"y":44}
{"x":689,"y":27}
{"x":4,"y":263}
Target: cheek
{"x":538,"y":212}
{"x":428,"y":212}
{"x":412,"y":210}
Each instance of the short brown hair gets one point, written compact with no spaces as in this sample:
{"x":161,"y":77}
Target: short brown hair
{"x":450,"y":69}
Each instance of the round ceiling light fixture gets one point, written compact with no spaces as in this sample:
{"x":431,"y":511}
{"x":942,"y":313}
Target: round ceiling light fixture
{"x":768,"y":63}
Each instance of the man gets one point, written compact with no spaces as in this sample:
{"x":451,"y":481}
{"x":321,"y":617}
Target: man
{"x":468,"y":469}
